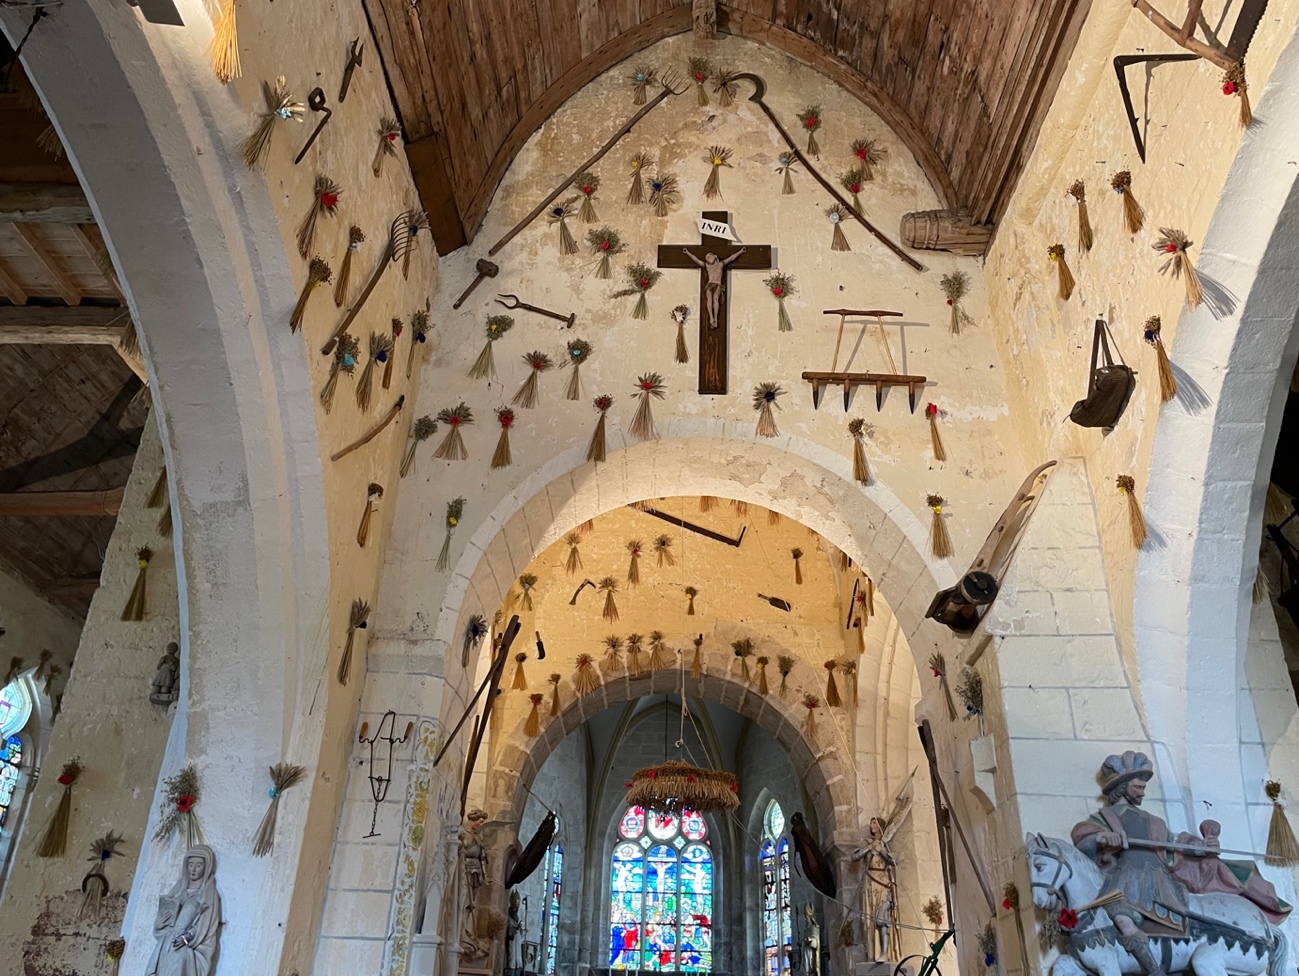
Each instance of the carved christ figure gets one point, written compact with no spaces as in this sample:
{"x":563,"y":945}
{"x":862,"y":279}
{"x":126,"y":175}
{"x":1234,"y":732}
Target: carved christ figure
{"x":715,"y":290}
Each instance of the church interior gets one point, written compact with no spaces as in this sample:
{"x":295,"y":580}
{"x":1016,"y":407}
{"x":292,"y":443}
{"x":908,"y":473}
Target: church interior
{"x":597,"y":487}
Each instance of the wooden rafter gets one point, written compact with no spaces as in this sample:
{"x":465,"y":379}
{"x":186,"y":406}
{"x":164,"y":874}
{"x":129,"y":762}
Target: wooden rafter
{"x":78,"y":326}
{"x":92,"y":243}
{"x":63,"y":283}
{"x":61,"y":503}
{"x":41,"y":203}
{"x":10,"y":288}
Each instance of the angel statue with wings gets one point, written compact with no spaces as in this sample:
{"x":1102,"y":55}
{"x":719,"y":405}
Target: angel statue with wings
{"x":880,"y":884}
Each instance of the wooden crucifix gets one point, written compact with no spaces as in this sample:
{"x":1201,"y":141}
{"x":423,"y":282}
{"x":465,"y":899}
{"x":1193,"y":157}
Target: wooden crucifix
{"x":715,"y":257}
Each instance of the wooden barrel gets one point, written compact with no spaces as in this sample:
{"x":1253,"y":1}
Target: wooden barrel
{"x":945,"y":230}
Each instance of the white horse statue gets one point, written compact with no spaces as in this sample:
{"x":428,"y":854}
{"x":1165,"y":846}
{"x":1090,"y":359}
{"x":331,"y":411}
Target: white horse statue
{"x":1226,"y":935}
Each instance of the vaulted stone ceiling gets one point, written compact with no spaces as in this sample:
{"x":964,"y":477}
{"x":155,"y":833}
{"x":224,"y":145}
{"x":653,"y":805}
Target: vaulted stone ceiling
{"x":964,"y":84}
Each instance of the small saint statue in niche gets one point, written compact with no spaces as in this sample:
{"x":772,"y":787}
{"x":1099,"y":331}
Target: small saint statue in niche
{"x":811,"y":945}
{"x":189,"y":920}
{"x":715,"y":290}
{"x":514,"y":935}
{"x":163,"y":688}
{"x":473,"y":867}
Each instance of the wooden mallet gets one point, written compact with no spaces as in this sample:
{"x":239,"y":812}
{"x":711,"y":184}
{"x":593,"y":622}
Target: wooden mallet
{"x":485,"y":269}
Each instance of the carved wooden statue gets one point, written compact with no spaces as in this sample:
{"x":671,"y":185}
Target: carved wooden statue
{"x":188,"y":924}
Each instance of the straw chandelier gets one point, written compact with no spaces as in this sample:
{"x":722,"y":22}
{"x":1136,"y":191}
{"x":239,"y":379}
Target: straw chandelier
{"x":674,"y":786}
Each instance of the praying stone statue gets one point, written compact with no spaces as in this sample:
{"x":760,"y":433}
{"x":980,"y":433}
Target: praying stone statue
{"x":189,"y":920}
{"x":811,"y":945}
{"x":514,"y":938}
{"x":715,"y":290}
{"x":164,"y":683}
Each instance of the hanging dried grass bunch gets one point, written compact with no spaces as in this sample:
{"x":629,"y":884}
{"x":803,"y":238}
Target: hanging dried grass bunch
{"x":940,"y":543}
{"x":810,"y":119}
{"x":664,"y":193}
{"x":663,"y":546}
{"x":501,"y":458}
{"x":1167,"y":382}
{"x":579,"y":351}
{"x":537,"y":362}
{"x":716,"y":157}
{"x":355,"y":238}
{"x":554,"y":679}
{"x":54,"y":842}
{"x":696,"y":662}
{"x":396,"y":329}
{"x":284,"y":776}
{"x":811,"y":703}
{"x":743,"y":650}
{"x":381,"y":353}
{"x":574,"y":563}
{"x":559,"y":214}
{"x":781,"y":286}
{"x":281,"y":106}
{"x":532,"y":727}
{"x":94,"y":886}
{"x":741,"y":507}
{"x":853,"y":181}
{"x":423,"y":429}
{"x":520,"y":682}
{"x":691,"y":592}
{"x":605,"y":244}
{"x":837,"y":214}
{"x":765,"y":399}
{"x":586,"y":678}
{"x":180,"y":794}
{"x":1136,"y":521}
{"x":938,"y":665}
{"x":797,"y":555}
{"x":612,"y":660}
{"x":660,"y":655}
{"x":849,"y":671}
{"x":455,"y":510}
{"x":1233,"y":83}
{"x":679,"y":316}
{"x":649,"y":387}
{"x":318,"y":273}
{"x":357,"y":619}
{"x":1134,"y":218}
{"x":224,"y":49}
{"x":857,"y":431}
{"x":415,"y":222}
{"x":640,"y":79}
{"x":609,"y":586}
{"x":135,"y":603}
{"x":114,"y":949}
{"x":869,"y":155}
{"x":936,"y":441}
{"x":372,"y":495}
{"x":700,"y":70}
{"x":641,"y":278}
{"x":596,"y":450}
{"x":726,"y":88}
{"x":15,"y":668}
{"x":587,"y":185}
{"x":345,"y":353}
{"x":761,"y":664}
{"x":784,"y":163}
{"x":389,"y":134}
{"x":1174,"y":245}
{"x":324,"y":200}
{"x":635,"y":655}
{"x":832,"y":699}
{"x":1078,"y":190}
{"x":419,"y":330}
{"x":634,"y":549}
{"x":970,"y":691}
{"x":1066,"y":283}
{"x":1282,"y":848}
{"x":484,"y":366}
{"x":955,"y":286}
{"x":784,"y":664}
{"x":639,"y":162}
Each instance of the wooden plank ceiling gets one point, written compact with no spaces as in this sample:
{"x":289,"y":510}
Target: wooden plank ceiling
{"x":965,"y":85}
{"x":71,"y":408}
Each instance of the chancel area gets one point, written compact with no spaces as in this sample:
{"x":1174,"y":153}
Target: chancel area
{"x":580,"y":488}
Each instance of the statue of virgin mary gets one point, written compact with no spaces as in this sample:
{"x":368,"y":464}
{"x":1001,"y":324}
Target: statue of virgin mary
{"x":189,"y":920}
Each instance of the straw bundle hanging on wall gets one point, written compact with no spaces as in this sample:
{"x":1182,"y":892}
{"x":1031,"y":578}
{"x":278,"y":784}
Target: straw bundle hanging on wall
{"x":280,"y":106}
{"x":691,"y":592}
{"x":380,"y":354}
{"x":372,"y":495}
{"x":587,"y":185}
{"x":726,"y":88}
{"x":940,"y":543}
{"x":579,"y":351}
{"x":609,"y":586}
{"x":679,"y":316}
{"x":284,"y":776}
{"x":938,"y":665}
{"x":1078,"y":190}
{"x":1174,"y":244}
{"x":135,"y":603}
{"x":649,"y":387}
{"x":797,"y":555}
{"x":697,"y":662}
{"x":344,"y":361}
{"x":54,"y":842}
{"x":501,"y":457}
{"x":532,"y":727}
{"x":484,"y":366}
{"x":180,"y":795}
{"x":424,"y":428}
{"x":595,"y":452}
{"x":761,"y":664}
{"x":700,"y":69}
{"x":455,"y":510}
{"x":527,"y":583}
{"x":1233,"y":83}
{"x":537,"y":362}
{"x":452,"y":446}
{"x":837,"y":214}
{"x":1065,"y":277}
{"x":224,"y":49}
{"x":765,"y":397}
{"x":1136,"y":521}
{"x":635,"y":655}
{"x":612,"y":660}
{"x":639,"y":162}
{"x":520,"y":682}
{"x":641,"y":78}
{"x":633,"y":567}
{"x":94,"y":886}
{"x":784,"y":163}
{"x":857,"y":431}
{"x":811,"y":703}
{"x":1282,"y":848}
{"x":318,"y":273}
{"x":743,"y":650}
{"x":781,"y":287}
{"x":554,"y":680}
{"x":574,"y":563}
{"x":869,"y":155}
{"x":716,"y":157}
{"x":1134,"y":218}
{"x":660,"y":655}
{"x":664,"y":193}
{"x":935,"y":440}
{"x":810,"y":118}
{"x":605,"y":244}
{"x":853,"y":181}
{"x":355,"y":238}
{"x":389,"y":133}
{"x":955,"y":286}
{"x":641,"y":278}
{"x":784,"y":664}
{"x":663,"y":547}
{"x":357,"y":619}
{"x":1152,"y":335}
{"x":559,"y":215}
{"x":832,"y":699}
{"x":324,"y":200}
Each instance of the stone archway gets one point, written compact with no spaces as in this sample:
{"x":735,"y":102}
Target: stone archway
{"x":1208,"y":479}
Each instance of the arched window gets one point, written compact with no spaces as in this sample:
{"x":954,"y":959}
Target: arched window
{"x":662,"y":893}
{"x":11,"y":760}
{"x":555,"y":878}
{"x":773,"y":856}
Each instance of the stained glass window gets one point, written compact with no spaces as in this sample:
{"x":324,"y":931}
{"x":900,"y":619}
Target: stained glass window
{"x":10,"y":761}
{"x":773,"y":857}
{"x":555,"y":874}
{"x":15,"y":707}
{"x":662,"y":893}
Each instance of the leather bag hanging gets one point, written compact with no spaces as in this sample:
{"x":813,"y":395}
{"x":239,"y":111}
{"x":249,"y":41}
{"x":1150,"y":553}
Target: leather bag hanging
{"x":1109,"y":386}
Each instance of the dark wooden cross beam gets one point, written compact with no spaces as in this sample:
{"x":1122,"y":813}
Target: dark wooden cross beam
{"x":714,"y":292}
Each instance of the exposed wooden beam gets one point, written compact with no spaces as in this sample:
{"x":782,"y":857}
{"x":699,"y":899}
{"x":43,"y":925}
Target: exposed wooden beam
{"x":73,"y":587}
{"x":63,"y":283}
{"x":61,"y":503}
{"x":44,"y":203}
{"x":92,"y":243}
{"x":78,"y":326}
{"x":10,"y":288}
